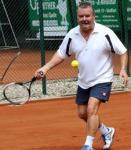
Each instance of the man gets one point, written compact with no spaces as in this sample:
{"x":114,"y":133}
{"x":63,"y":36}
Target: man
{"x":92,"y":44}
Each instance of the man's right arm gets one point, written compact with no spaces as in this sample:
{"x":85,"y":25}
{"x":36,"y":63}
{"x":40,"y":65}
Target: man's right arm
{"x":55,"y":60}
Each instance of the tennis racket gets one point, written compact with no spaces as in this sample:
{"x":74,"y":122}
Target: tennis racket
{"x":18,"y":93}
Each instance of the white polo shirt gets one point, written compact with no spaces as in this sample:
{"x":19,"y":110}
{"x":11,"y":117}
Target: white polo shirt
{"x":94,"y":55}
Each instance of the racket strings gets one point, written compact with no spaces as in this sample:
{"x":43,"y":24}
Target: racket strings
{"x":16,"y":93}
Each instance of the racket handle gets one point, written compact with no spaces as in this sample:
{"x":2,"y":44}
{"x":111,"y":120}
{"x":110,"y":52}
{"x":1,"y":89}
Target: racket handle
{"x":41,"y":73}
{"x":33,"y":79}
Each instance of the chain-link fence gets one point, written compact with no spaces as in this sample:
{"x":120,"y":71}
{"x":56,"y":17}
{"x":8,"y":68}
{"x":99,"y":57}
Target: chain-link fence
{"x":20,"y":31}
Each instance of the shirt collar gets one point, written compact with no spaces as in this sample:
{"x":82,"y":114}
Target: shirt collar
{"x":96,"y":28}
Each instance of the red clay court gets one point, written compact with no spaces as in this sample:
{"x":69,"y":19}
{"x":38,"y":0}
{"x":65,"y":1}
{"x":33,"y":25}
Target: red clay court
{"x":54,"y":125}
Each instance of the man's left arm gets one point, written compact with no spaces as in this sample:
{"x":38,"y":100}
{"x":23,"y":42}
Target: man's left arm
{"x":123,"y":71}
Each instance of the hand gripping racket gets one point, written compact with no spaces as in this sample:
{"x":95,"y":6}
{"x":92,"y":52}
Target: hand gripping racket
{"x":18,"y":93}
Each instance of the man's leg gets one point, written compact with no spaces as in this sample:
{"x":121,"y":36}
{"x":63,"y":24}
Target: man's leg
{"x":90,"y":115}
{"x":93,"y":120}
{"x":94,"y":123}
{"x":82,"y":112}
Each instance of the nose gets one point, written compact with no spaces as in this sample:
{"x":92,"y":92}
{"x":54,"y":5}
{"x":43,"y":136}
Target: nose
{"x":84,"y":18}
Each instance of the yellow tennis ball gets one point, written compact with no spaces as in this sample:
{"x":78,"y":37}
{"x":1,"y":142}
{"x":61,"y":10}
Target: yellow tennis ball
{"x":75,"y":63}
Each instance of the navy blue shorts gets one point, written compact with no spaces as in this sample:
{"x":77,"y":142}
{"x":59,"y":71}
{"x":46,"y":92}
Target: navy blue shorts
{"x":100,"y":91}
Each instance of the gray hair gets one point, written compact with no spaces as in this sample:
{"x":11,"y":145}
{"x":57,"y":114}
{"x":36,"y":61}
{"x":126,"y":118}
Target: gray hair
{"x":85,"y":5}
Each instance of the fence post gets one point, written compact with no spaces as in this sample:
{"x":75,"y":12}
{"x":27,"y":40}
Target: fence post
{"x":42,"y":44}
{"x":72,"y":10}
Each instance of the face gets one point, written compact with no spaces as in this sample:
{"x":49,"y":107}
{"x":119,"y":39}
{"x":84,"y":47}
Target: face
{"x":85,"y":18}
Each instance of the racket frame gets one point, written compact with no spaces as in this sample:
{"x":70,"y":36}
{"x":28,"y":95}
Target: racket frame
{"x":8,"y":66}
{"x":21,"y":84}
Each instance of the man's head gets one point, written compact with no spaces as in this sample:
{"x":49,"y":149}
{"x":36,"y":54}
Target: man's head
{"x":85,"y":16}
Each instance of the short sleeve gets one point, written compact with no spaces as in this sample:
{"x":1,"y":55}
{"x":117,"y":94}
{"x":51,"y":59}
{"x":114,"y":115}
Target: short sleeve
{"x":118,"y":46}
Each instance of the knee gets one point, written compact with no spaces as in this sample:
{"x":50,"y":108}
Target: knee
{"x":90,"y":111}
{"x":82,"y":115}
